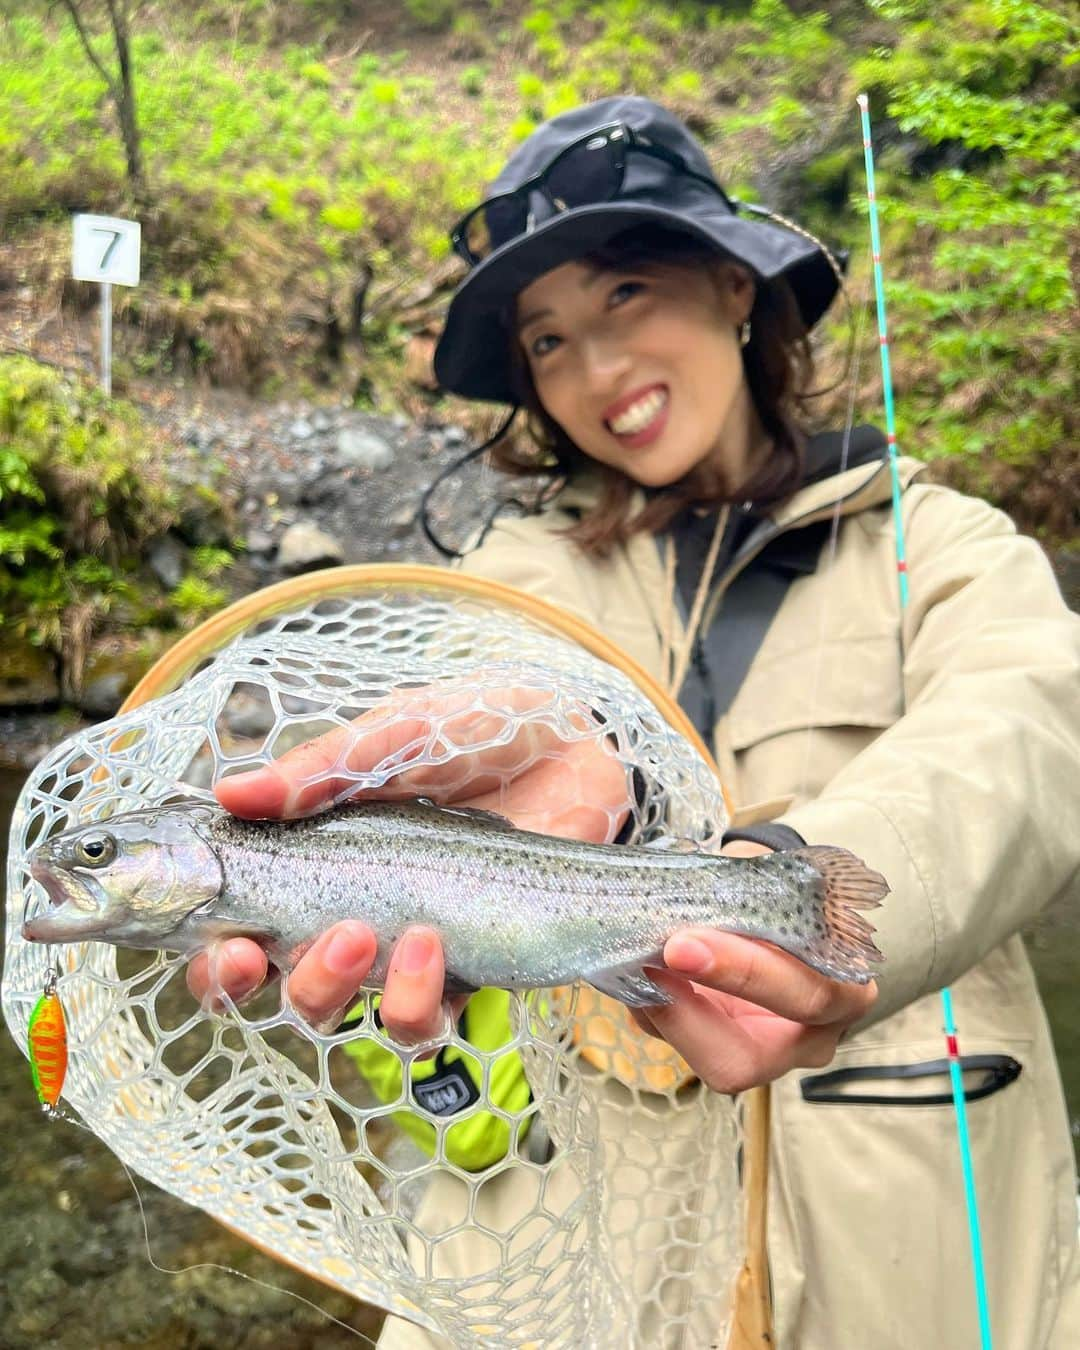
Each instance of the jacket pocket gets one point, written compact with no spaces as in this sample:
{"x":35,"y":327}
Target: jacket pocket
{"x":852,"y":681}
{"x":798,"y":721}
{"x":872,"y":1183}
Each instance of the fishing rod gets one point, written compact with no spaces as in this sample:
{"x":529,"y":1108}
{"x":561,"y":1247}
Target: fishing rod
{"x":955,"y":1070}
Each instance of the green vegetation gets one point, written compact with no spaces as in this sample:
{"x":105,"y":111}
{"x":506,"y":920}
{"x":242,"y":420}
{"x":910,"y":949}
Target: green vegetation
{"x":289,"y":149}
{"x":81,"y":496}
{"x":984,"y":286}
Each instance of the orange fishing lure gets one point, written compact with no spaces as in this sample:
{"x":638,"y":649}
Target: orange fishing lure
{"x":47,"y":1035}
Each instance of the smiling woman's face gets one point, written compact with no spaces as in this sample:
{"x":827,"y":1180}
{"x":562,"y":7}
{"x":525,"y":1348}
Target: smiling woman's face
{"x":643,"y":369}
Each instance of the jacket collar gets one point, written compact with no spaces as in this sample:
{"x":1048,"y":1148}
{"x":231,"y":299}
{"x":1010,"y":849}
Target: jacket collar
{"x":867,"y":483}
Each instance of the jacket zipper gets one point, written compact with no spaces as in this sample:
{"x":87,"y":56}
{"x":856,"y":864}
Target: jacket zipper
{"x":757,"y":542}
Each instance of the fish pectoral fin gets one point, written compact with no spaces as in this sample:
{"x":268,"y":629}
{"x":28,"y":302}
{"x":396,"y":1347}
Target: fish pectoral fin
{"x":630,"y":985}
{"x":671,"y":843}
{"x":454,"y":985}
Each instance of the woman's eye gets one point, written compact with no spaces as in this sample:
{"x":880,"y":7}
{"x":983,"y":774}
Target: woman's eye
{"x":626,"y":288}
{"x":538,"y":348}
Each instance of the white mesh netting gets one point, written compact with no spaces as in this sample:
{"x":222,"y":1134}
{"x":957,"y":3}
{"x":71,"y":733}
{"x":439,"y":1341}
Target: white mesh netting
{"x":613,"y":1218}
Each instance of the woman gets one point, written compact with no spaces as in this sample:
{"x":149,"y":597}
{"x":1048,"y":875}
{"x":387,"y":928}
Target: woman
{"x":658,"y":340}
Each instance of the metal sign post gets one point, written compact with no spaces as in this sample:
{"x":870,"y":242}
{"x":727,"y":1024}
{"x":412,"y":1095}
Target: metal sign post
{"x":106,"y":338}
{"x":106,"y":249}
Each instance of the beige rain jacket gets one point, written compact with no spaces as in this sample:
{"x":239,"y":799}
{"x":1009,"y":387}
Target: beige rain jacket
{"x":969,"y":803}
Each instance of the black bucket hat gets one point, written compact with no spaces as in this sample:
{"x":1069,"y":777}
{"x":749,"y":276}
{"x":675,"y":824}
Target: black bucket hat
{"x":580,"y":179}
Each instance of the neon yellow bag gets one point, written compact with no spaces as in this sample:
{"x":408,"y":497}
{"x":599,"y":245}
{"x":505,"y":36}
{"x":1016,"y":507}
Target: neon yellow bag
{"x":452,"y":1081}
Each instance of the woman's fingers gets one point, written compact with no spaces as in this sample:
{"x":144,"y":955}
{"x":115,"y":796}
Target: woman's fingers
{"x":412,"y":1003}
{"x":237,"y":967}
{"x":764,"y":975}
{"x":731,"y":1053}
{"x":581,"y":791}
{"x":442,"y":725}
{"x":752,"y":1012}
{"x":324,"y":982}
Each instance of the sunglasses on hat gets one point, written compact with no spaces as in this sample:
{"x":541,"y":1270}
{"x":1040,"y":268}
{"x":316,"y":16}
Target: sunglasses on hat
{"x":588,"y":171}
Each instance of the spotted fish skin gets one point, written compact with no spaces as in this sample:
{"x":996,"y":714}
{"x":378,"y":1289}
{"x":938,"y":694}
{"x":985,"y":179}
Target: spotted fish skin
{"x":514,"y":909}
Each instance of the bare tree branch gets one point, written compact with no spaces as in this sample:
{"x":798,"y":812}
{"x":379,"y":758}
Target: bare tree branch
{"x":122,"y":90}
{"x":76,"y":18}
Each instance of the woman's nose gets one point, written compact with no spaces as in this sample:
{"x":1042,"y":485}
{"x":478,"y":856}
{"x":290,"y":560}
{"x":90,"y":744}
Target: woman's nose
{"x":603,"y":363}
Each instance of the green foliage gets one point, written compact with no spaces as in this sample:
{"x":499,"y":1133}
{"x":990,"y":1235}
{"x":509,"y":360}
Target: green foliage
{"x":682,"y":84}
{"x":80,"y":494}
{"x":432,"y":14}
{"x":801,"y":42}
{"x":280,"y":168}
{"x":984,"y":270}
{"x":472,"y":80}
{"x":196,"y":597}
{"x":209,"y":561}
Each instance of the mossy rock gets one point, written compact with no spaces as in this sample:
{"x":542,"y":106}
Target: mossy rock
{"x":114,"y":666}
{"x":28,"y":676}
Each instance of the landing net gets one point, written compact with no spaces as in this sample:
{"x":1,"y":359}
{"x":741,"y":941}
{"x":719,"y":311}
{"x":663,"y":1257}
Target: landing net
{"x":613,"y":1216}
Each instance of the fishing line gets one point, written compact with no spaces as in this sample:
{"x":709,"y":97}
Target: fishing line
{"x":858,"y":316}
{"x":48,"y":1057}
{"x":209,"y":1265}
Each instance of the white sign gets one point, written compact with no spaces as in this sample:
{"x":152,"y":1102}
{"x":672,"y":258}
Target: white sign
{"x":106,"y":249}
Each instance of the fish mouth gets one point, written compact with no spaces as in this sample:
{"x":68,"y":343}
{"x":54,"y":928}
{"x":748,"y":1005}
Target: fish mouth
{"x":72,"y":913}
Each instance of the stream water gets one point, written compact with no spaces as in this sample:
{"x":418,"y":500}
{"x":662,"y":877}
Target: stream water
{"x":73,"y":1255}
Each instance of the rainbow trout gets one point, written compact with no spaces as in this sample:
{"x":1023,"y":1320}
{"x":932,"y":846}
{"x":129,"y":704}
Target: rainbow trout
{"x":515,"y":909}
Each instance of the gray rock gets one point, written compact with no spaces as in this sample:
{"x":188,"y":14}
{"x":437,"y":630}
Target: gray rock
{"x":320,"y":421}
{"x":455,"y":436}
{"x":249,"y":716}
{"x":259,"y":542}
{"x":363,"y":449}
{"x":114,"y":665}
{"x":301,"y":429}
{"x":305,"y":547}
{"x":102,"y":695}
{"x":402,"y":520}
{"x":324,"y":489}
{"x":168,"y":560}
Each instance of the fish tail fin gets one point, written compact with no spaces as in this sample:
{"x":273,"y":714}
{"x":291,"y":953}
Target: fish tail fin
{"x":849,"y":886}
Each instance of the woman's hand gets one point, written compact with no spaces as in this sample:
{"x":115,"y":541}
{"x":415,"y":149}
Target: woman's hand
{"x":746,"y":1012}
{"x":574,"y":788}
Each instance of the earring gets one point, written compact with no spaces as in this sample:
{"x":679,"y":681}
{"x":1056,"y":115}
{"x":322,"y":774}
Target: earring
{"x":744,"y":333}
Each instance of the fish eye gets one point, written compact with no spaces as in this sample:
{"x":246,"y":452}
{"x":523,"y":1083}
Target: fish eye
{"x":95,"y":850}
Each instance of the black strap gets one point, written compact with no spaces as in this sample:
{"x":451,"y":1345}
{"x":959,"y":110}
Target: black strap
{"x":723,"y":655}
{"x":998,"y":1071}
{"x":734,"y":638}
{"x":770,"y":833}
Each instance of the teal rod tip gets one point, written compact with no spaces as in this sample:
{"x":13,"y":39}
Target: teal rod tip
{"x":863,"y":102}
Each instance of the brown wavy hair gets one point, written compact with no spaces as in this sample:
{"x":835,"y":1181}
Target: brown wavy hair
{"x":779,"y":369}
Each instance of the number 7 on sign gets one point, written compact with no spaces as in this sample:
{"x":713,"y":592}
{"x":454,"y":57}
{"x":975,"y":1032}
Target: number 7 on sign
{"x":118,"y":265}
{"x":110,"y":248}
{"x":115,"y":262}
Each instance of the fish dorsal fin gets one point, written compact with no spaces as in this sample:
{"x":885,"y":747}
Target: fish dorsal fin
{"x":475,"y":814}
{"x":669,"y":843}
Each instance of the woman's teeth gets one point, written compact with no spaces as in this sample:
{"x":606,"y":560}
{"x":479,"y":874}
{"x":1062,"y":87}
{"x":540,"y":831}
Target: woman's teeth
{"x":638,"y":416}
